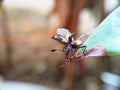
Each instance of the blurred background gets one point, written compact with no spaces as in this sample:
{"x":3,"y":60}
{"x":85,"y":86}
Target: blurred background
{"x":26,"y":27}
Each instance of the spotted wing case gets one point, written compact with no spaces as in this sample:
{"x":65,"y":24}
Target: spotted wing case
{"x":62,"y":35}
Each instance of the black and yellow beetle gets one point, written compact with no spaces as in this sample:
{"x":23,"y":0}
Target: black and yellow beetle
{"x":65,"y":37}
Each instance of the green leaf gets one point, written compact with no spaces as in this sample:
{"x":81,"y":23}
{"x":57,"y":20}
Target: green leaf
{"x":106,"y":35}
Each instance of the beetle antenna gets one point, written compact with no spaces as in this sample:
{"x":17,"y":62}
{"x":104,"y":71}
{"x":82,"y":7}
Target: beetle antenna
{"x":53,"y":50}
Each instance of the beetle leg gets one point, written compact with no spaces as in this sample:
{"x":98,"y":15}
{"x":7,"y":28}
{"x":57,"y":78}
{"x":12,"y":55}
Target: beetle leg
{"x":83,"y":47}
{"x":67,"y":61}
{"x":72,"y":51}
{"x":66,"y":51}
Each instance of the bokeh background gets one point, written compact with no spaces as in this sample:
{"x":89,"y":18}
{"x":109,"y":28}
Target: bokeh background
{"x":26,"y":27}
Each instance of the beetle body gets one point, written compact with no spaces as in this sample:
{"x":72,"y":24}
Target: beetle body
{"x":66,"y":38}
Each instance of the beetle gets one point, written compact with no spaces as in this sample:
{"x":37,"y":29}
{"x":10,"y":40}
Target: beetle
{"x":65,"y":37}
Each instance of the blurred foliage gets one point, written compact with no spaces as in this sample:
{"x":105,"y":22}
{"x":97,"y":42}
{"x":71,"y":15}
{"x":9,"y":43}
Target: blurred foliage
{"x":107,"y":34}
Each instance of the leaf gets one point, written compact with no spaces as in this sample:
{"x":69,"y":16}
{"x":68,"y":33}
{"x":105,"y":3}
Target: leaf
{"x":105,"y":40}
